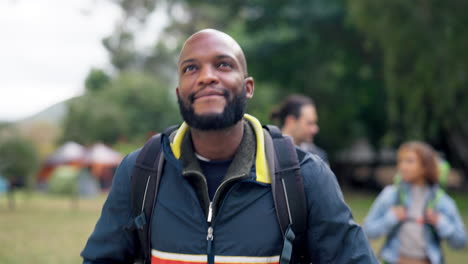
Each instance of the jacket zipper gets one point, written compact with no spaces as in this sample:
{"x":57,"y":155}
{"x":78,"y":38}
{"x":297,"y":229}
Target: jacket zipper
{"x":209,"y":236}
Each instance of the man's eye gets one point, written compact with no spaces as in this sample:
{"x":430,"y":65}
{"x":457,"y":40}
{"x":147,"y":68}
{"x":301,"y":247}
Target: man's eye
{"x":189,"y":68}
{"x":224,"y":65}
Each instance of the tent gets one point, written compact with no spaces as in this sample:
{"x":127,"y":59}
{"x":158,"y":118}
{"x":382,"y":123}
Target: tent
{"x":102,"y":154}
{"x":102,"y":161}
{"x":70,"y":180}
{"x":70,"y":153}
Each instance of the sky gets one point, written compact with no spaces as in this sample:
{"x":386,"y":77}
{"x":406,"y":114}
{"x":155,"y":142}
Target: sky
{"x":47,"y":48}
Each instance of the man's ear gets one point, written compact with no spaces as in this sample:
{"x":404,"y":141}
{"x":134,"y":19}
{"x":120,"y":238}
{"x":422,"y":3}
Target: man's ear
{"x":290,"y":120}
{"x":177,"y":91}
{"x":249,"y":85}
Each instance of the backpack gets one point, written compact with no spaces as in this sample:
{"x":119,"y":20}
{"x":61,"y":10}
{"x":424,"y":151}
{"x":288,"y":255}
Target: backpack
{"x":444,"y":169}
{"x":287,"y":187}
{"x":430,"y":204}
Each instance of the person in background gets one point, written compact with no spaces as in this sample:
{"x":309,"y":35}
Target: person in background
{"x":415,"y":214}
{"x":297,"y":116}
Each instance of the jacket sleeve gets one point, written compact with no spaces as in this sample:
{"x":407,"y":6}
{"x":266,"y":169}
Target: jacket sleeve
{"x":381,"y":220}
{"x":450,"y":225}
{"x":110,"y":242}
{"x":333,"y":236}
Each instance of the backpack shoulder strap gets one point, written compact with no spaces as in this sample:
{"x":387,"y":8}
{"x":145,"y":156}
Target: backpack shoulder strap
{"x":401,"y":195}
{"x":144,"y":187}
{"x":444,"y":171}
{"x":289,"y":198}
{"x":434,"y":199}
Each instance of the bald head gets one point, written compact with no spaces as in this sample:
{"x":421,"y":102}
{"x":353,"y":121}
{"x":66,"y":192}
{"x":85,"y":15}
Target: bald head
{"x":227,"y":41}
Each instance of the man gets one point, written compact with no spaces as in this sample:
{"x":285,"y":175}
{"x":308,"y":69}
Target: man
{"x":214,"y":204}
{"x":298,"y":118}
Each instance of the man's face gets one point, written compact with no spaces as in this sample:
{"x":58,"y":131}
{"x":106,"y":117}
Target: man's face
{"x":212,"y":87}
{"x":306,"y":126}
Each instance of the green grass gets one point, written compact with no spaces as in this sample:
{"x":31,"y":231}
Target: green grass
{"x":47,"y":229}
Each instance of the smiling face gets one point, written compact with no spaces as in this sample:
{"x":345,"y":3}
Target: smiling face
{"x":213,"y":86}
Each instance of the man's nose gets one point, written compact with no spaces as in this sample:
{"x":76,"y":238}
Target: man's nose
{"x":315,"y":129}
{"x":207,"y":76}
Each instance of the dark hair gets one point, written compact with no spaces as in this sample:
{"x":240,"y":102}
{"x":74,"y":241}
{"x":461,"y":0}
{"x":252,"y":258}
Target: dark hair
{"x":292,"y":105}
{"x":427,"y":156}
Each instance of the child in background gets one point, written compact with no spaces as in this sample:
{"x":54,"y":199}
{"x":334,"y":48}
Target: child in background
{"x":415,"y":214}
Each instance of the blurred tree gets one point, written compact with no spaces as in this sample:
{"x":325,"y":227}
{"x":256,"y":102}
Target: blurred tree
{"x":313,"y":51}
{"x":133,"y":106}
{"x":149,"y":104}
{"x":125,"y":55}
{"x":292,"y":47}
{"x":43,"y":135}
{"x":138,"y":98}
{"x":96,"y":80}
{"x":18,"y":162}
{"x":264,"y":96}
{"x":120,"y":44}
{"x":426,"y":68}
{"x":384,"y":71}
{"x":91,"y":119}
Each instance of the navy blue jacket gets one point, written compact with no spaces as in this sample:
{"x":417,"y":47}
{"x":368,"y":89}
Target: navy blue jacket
{"x":244,"y":223}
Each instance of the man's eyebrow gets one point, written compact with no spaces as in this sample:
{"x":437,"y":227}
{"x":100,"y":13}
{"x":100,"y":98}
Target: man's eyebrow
{"x":187,"y":61}
{"x":223,"y":56}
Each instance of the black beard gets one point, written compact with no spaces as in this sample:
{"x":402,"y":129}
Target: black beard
{"x":232,"y":113}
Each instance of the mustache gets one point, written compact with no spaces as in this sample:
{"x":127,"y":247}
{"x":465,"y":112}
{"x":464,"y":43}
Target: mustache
{"x":224,"y":92}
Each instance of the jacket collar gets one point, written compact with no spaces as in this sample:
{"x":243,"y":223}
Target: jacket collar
{"x":252,"y":145}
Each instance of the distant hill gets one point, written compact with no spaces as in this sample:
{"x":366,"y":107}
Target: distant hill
{"x":45,"y":127}
{"x":52,"y":114}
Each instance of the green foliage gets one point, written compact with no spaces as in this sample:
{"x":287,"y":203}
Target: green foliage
{"x":386,"y":71}
{"x":92,"y":118}
{"x":304,"y":47}
{"x":291,"y":47}
{"x":425,"y":62}
{"x":127,"y":147}
{"x":315,"y":53}
{"x":265,"y":96}
{"x":18,"y":159}
{"x":425,"y":69}
{"x":132,"y":106}
{"x":136,"y":9}
{"x":96,"y":80}
{"x":123,"y":53}
{"x":149,"y":105}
